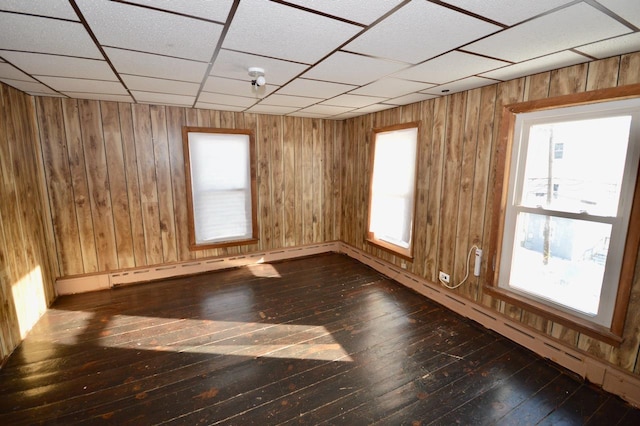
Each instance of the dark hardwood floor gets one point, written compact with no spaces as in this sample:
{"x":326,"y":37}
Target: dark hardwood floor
{"x":320,"y":340}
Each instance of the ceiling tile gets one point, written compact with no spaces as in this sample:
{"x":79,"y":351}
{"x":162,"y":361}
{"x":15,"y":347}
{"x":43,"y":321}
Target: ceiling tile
{"x":60,"y":66}
{"x":410,"y":98}
{"x":142,"y":29}
{"x":290,"y":101}
{"x":535,"y":66}
{"x":236,"y":65}
{"x":354,"y":101}
{"x":612,"y":47}
{"x":44,"y":35}
{"x":28,"y":86}
{"x":349,"y":68}
{"x":237,"y":87}
{"x":508,"y":12}
{"x":459,"y":86}
{"x":217,"y":10}
{"x":303,"y":114}
{"x":450,"y":66}
{"x":271,"y":109}
{"x":279,"y":31}
{"x":550,"y":33}
{"x":314,"y":89}
{"x":225,"y":99}
{"x":204,"y":105}
{"x":51,"y":8}
{"x":419,"y":31}
{"x":161,"y":98}
{"x":374,"y":108}
{"x":146,"y":64}
{"x":158,"y":85}
{"x":390,"y":87}
{"x":100,"y":97}
{"x":347,"y":115}
{"x":64,"y":84}
{"x":629,"y":9}
{"x":352,"y":10}
{"x":326,"y":109}
{"x":12,"y":73}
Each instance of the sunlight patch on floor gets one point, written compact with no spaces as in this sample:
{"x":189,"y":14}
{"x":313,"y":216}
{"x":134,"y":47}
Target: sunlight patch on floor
{"x":249,"y":339}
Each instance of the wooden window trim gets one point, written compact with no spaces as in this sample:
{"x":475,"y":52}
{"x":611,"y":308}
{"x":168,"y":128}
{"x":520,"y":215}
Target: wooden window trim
{"x":612,"y":335}
{"x":187,"y":171}
{"x":403,"y":253}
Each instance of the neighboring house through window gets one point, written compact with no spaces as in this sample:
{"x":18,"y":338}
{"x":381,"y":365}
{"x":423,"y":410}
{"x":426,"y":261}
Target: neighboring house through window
{"x":568,"y":213}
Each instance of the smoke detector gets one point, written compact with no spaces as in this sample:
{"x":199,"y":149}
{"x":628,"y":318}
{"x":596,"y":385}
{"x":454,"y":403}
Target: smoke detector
{"x":257,"y":76}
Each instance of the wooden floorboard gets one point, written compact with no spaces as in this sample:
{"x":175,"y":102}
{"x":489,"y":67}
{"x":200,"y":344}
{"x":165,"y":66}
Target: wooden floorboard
{"x":319,"y":340}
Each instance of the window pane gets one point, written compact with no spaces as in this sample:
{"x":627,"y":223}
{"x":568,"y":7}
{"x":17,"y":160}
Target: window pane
{"x":393,"y":186}
{"x":576,"y":166}
{"x":559,"y":259}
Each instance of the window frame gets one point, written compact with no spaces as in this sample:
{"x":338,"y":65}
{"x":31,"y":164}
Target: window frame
{"x":193,"y":245}
{"x":505,"y":143}
{"x":405,"y":253}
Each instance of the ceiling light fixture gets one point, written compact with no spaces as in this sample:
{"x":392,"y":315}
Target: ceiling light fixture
{"x":257,"y":76}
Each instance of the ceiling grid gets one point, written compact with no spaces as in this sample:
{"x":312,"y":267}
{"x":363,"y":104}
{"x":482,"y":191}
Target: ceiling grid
{"x":322,"y":58}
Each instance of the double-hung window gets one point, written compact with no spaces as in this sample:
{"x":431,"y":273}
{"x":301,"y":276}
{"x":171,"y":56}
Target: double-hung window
{"x":221,"y":186}
{"x":392,"y":188}
{"x":568,"y":209}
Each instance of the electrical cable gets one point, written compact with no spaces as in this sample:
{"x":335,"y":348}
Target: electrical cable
{"x":452,"y":287}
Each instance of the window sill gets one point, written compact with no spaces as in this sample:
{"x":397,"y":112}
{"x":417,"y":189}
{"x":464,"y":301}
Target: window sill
{"x":222,"y":244}
{"x":403,"y":253}
{"x":598,"y":332}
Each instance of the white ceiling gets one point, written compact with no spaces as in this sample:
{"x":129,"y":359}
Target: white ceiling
{"x":322,"y":58}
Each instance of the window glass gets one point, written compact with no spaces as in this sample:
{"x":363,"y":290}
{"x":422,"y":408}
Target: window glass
{"x":393,"y":188}
{"x":565,"y":227}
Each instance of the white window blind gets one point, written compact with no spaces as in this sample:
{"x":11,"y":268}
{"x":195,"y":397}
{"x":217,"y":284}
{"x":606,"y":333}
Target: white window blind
{"x":221,"y":186}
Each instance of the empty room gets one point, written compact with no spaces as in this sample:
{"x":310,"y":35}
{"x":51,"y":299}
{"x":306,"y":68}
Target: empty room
{"x":320,"y":212}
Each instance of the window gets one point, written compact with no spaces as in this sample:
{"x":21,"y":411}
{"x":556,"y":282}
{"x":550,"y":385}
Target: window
{"x":392,"y":188}
{"x":220,"y":186}
{"x":568,"y":213}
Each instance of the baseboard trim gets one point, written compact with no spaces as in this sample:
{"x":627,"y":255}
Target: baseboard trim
{"x":610,"y":377}
{"x":107,"y":280}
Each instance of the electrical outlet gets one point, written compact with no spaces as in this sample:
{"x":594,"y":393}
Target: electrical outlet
{"x":403,"y":264}
{"x":444,"y":277}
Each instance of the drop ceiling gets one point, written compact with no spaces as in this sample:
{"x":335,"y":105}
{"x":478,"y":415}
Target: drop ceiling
{"x":322,"y":58}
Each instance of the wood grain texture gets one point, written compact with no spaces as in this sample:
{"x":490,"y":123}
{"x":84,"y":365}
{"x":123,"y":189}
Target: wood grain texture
{"x":133,"y":184}
{"x":460,"y":184}
{"x":124,"y":167}
{"x":117,"y":184}
{"x":27,"y":250}
{"x":319,"y":340}
{"x":98,"y":184}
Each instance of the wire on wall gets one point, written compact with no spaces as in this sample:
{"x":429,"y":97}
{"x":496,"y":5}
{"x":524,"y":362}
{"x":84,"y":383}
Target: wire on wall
{"x":452,"y":287}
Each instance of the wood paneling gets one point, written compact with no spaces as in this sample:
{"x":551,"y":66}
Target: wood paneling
{"x":116,"y":196}
{"x":456,"y":190}
{"x":115,"y":177}
{"x":27,"y":270}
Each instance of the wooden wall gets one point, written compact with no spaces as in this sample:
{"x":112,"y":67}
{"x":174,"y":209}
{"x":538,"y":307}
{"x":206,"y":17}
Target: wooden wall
{"x":116,"y":185}
{"x":26,"y":269}
{"x":455,"y":179}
